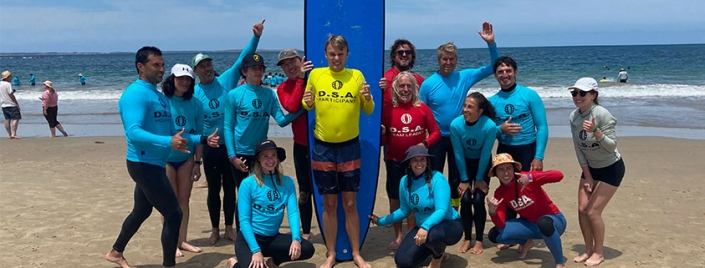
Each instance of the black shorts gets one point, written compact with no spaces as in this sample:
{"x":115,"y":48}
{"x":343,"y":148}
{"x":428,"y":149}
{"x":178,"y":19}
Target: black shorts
{"x":523,"y":154}
{"x":336,"y":166}
{"x":612,"y":174}
{"x":395,"y":171}
{"x":11,"y":113}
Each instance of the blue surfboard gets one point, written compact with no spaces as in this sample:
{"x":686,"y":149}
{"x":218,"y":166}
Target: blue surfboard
{"x":361,"y":22}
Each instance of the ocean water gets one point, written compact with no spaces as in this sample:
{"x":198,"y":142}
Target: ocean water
{"x":664,"y":96}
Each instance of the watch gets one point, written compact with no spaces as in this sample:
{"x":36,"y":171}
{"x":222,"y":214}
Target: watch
{"x":197,"y":162}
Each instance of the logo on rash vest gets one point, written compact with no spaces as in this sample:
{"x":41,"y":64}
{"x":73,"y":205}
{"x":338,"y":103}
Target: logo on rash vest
{"x":255,"y":115}
{"x":406,"y":119}
{"x":273,"y":195}
{"x":162,"y":103}
{"x":582,"y":135}
{"x":414,"y":199}
{"x":522,"y":203}
{"x":337,"y":84}
{"x":214,"y":104}
{"x":509,"y":109}
{"x":180,"y":120}
{"x":471,"y":142}
{"x":256,"y":103}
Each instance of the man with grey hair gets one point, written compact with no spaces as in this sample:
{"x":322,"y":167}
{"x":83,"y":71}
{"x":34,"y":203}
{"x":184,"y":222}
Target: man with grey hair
{"x":10,"y":106}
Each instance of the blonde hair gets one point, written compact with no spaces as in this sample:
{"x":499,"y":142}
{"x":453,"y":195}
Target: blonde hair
{"x":448,"y":48}
{"x":337,"y":41}
{"x":414,"y":92}
{"x":259,"y":173}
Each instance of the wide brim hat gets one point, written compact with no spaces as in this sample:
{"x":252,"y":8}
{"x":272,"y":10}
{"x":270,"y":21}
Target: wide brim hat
{"x":416,"y":150}
{"x":6,"y":74}
{"x":269,"y":144}
{"x":503,"y":158}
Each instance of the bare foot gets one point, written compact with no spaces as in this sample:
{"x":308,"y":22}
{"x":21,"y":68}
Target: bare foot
{"x":270,"y":263}
{"x":65,"y":134}
{"x":594,"y":260}
{"x":179,"y":254}
{"x":394,"y":245}
{"x":229,"y":235}
{"x":581,"y":258}
{"x":188,"y":247}
{"x":360,"y":262}
{"x":504,"y":246}
{"x":329,"y":263}
{"x":464,"y":247}
{"x":306,"y":236}
{"x":117,"y":258}
{"x":215,"y":235}
{"x":525,"y":249}
{"x":436,"y":263}
{"x":477,"y":249}
{"x":15,"y":137}
{"x":231,"y":262}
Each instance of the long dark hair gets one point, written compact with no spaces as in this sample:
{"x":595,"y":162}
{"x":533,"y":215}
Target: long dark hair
{"x":169,"y":86}
{"x":484,"y":104}
{"x":427,"y":174}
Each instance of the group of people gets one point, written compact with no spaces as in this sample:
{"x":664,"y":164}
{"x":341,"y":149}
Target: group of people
{"x":33,"y":80}
{"x":424,"y":122}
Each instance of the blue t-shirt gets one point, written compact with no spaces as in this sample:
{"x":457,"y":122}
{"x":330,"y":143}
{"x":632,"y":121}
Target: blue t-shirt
{"x":261,"y":208}
{"x":430,"y":205}
{"x":82,"y":79}
{"x":445,"y":95}
{"x":32,"y":79}
{"x":212,"y":96}
{"x":186,"y":115}
{"x":147,"y":120}
{"x":247,"y":112}
{"x":525,"y":107}
{"x":476,"y":141}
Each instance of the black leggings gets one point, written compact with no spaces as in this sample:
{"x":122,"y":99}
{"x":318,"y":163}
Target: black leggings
{"x":303,"y":177}
{"x":474,"y":200}
{"x":239,"y":177}
{"x":51,"y":116}
{"x":276,"y":247}
{"x":216,"y":166}
{"x":523,"y":154}
{"x":152,"y":190}
{"x":440,"y":150}
{"x":447,"y":232}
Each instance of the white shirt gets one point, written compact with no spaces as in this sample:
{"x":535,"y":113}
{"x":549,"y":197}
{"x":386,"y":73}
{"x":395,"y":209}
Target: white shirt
{"x":5,"y":92}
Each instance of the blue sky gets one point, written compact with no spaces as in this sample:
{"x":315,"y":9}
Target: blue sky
{"x":127,"y":25}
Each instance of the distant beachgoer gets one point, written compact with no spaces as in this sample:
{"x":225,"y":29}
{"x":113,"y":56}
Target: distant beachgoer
{"x":50,"y":107}
{"x":604,"y":79}
{"x":425,"y":192}
{"x":622,"y":76}
{"x":16,"y":81}
{"x":290,"y":94}
{"x":82,"y":79}
{"x":595,"y":141}
{"x":263,"y":197}
{"x":10,"y":106}
{"x":523,"y":191}
{"x":32,"y":79}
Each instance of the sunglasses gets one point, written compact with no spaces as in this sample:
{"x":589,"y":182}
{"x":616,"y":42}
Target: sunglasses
{"x":403,"y":52}
{"x":575,"y":93}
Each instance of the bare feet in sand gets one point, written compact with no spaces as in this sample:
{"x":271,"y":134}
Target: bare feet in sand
{"x":179,"y":254}
{"x":329,"y":263}
{"x":117,"y":258}
{"x":215,"y":235}
{"x":204,"y":184}
{"x":306,"y":236}
{"x":581,"y":258}
{"x":525,"y":249}
{"x":360,"y":262}
{"x":594,"y":260}
{"x":231,"y":262}
{"x":436,"y":263}
{"x":188,"y":247}
{"x":229,"y":234}
{"x":504,"y":246}
{"x":464,"y":247}
{"x":477,"y":249}
{"x":394,"y":245}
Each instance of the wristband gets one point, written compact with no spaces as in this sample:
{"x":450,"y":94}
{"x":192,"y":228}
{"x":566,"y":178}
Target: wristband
{"x":232,"y":159}
{"x":425,"y":144}
{"x":198,"y":162}
{"x":493,"y":212}
{"x":594,"y":129}
{"x":204,"y":139}
{"x":529,"y":176}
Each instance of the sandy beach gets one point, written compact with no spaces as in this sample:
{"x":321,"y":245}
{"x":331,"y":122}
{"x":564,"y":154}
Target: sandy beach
{"x":63,"y":201}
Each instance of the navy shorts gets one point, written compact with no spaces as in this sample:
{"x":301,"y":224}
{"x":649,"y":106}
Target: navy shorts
{"x":395,"y":171}
{"x":11,"y":113}
{"x":336,"y":166}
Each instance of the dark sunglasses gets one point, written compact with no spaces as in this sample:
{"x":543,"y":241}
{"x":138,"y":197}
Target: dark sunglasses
{"x":575,"y":93}
{"x":402,"y":52}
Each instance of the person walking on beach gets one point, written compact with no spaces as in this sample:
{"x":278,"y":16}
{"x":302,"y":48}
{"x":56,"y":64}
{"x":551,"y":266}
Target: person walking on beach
{"x":82,"y":79}
{"x":540,"y":218}
{"x":410,"y":122}
{"x":259,"y":235}
{"x":402,"y":56}
{"x":336,"y":142}
{"x":595,"y":141}
{"x":150,"y":134}
{"x":445,"y":91}
{"x":50,"y":108}
{"x":426,"y":193}
{"x":183,"y":169}
{"x":290,"y":94}
{"x":212,"y":91}
{"x":472,"y":136}
{"x":622,"y":76}
{"x":32,"y":80}
{"x":10,"y":106}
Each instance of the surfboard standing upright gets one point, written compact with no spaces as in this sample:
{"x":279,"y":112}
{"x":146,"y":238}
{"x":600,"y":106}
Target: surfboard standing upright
{"x":361,"y":22}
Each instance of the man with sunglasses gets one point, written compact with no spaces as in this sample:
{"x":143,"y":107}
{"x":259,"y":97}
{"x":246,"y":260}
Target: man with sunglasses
{"x":402,"y":57}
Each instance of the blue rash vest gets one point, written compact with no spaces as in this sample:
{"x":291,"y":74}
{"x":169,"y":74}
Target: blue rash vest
{"x":261,"y":208}
{"x":430,"y":206}
{"x":213,"y":95}
{"x":186,"y":114}
{"x":477,"y":140}
{"x":147,"y":121}
{"x":526,"y":108}
{"x":445,"y":95}
{"x":247,"y":112}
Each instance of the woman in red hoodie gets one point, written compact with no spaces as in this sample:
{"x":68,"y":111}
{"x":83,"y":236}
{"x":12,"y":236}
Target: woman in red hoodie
{"x":540,"y":218}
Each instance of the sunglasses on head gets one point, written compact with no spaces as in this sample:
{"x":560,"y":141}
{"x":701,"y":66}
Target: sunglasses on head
{"x":575,"y":93}
{"x":402,"y":52}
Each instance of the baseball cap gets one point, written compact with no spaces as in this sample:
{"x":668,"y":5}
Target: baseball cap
{"x":198,"y":58}
{"x":286,"y":54}
{"x":6,"y":74}
{"x":180,"y":69}
{"x":252,"y":59}
{"x":585,"y":84}
{"x":269,"y":144}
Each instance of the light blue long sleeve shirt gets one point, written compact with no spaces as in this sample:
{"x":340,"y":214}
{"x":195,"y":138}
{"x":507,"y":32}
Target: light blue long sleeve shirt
{"x":476,"y":141}
{"x":186,"y":115}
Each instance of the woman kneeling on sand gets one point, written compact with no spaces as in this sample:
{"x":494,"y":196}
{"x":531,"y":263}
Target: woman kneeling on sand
{"x":540,"y":218}
{"x":262,"y":198}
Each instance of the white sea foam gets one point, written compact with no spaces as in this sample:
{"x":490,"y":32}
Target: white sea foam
{"x":617,"y":90}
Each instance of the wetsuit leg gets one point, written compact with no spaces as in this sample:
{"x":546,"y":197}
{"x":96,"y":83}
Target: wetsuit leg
{"x":303,"y":177}
{"x":551,"y":228}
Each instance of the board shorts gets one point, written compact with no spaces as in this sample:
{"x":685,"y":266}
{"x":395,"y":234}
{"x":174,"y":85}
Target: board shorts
{"x":611,"y":174}
{"x":11,"y":113}
{"x":395,"y":171}
{"x":336,"y":166}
